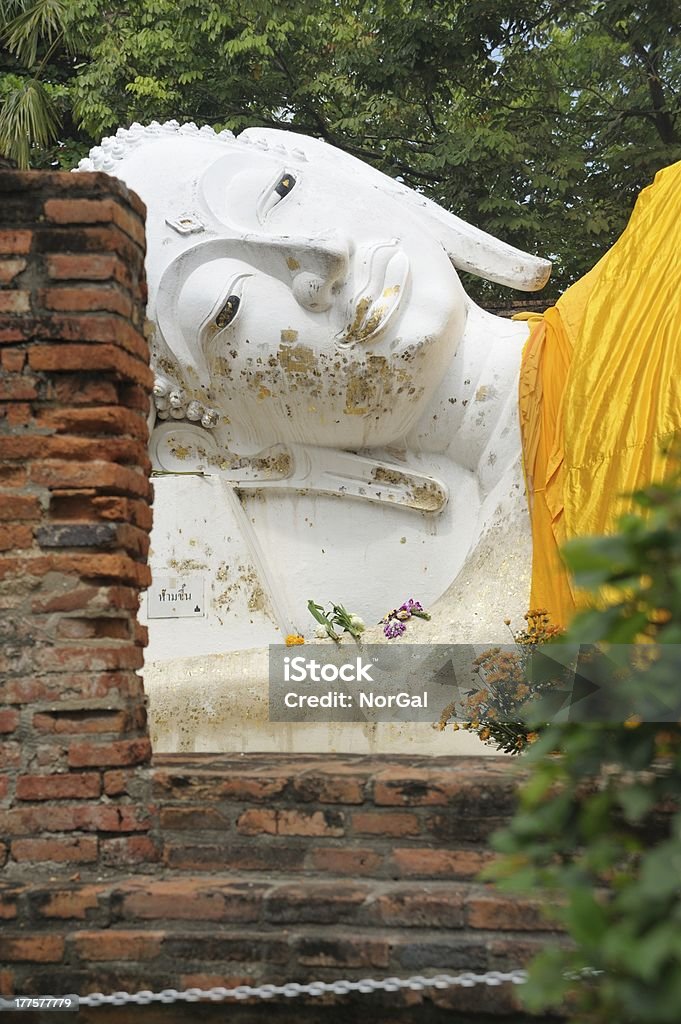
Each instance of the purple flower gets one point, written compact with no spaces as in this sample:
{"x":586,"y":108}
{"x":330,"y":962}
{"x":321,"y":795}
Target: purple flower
{"x":412,"y":606}
{"x":394,"y":629}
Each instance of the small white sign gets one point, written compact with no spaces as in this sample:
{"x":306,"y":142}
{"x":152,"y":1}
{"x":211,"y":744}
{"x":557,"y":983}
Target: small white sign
{"x":176,"y":597}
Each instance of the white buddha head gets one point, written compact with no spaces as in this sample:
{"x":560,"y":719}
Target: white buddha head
{"x":297,"y":295}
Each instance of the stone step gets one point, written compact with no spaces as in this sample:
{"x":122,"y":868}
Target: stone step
{"x":358,"y":816}
{"x":199,"y":931}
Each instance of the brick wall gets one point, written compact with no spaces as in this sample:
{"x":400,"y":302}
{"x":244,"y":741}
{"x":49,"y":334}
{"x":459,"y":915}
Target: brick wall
{"x":74,"y":521}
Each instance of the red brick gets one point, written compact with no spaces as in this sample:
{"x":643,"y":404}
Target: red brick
{"x":88,"y":658}
{"x":508,"y":913}
{"x":97,"y":721}
{"x":82,"y":449}
{"x":321,"y":902}
{"x":19,"y":506}
{"x":13,"y":360}
{"x":87,"y":298}
{"x":117,"y":945}
{"x":379,"y":823}
{"x":65,"y":358}
{"x":113,"y":686}
{"x":15,"y":302}
{"x":43,"y":949}
{"x":130,"y":850}
{"x":192,"y":818}
{"x":12,"y":476}
{"x":19,"y":414}
{"x":89,"y":566}
{"x":209,"y":785}
{"x":290,"y":823}
{"x":96,"y":420}
{"x":10,"y":334}
{"x":336,"y":952}
{"x":415,"y":787}
{"x":130,"y":510}
{"x":141,"y":635}
{"x":74,"y":786}
{"x":429,"y":863}
{"x":8,"y":903}
{"x":76,"y":597}
{"x":9,"y":720}
{"x":253,"y":857}
{"x":17,"y":389}
{"x":132,"y":396}
{"x":122,"y":752}
{"x":117,"y":781}
{"x":20,"y":821}
{"x":189,"y":899}
{"x":66,"y":903}
{"x":85,"y":240}
{"x":330,"y":789}
{"x":81,"y":389}
{"x":15,"y":537}
{"x":15,"y":241}
{"x":94,"y":629}
{"x":94,"y":328}
{"x":9,"y":269}
{"x":91,"y":267}
{"x":60,"y":474}
{"x":419,"y":907}
{"x":93,"y":211}
{"x":344,"y":861}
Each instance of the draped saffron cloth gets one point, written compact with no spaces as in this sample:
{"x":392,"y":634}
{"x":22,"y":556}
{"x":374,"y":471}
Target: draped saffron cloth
{"x":600,"y":390}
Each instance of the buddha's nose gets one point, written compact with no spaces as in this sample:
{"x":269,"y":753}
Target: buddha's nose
{"x":318,"y":268}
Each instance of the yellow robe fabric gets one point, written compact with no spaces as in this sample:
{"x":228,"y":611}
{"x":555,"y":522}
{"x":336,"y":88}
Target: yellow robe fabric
{"x":600,"y":390}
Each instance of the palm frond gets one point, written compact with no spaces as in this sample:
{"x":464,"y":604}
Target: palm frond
{"x":28,"y":118}
{"x":39,"y":22}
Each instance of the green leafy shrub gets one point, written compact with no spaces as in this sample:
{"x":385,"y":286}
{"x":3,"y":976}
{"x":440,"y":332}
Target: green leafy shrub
{"x":599,"y":826}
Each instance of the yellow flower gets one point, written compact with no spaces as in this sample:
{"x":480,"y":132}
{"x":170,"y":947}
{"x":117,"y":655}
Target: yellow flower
{"x":633,"y":722}
{"x":485,"y":733}
{"x":293,"y":639}
{"x":532,"y":737}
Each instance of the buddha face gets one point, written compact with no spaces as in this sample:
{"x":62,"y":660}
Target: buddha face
{"x":304,"y":296}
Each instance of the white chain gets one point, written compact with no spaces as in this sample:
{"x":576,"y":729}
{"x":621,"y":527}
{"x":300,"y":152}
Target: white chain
{"x":365,"y":986}
{"x":315,"y":988}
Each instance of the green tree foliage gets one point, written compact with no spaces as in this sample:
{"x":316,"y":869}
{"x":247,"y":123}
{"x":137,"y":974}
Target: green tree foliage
{"x":599,"y":827}
{"x":539,"y":120}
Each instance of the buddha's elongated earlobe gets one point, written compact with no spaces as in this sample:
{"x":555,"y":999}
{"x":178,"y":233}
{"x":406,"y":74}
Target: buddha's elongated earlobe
{"x":469,"y":248}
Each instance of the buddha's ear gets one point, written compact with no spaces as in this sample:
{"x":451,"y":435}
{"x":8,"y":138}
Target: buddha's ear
{"x":479,"y":253}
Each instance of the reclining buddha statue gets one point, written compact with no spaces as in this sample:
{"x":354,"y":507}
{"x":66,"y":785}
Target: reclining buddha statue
{"x":334,"y":418}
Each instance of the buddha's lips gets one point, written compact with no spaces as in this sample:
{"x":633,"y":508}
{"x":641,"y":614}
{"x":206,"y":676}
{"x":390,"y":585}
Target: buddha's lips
{"x":380,"y":294}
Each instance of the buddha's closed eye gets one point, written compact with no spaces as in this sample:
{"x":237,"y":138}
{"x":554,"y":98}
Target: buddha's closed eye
{"x":228,"y":311}
{"x":282,"y":187}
